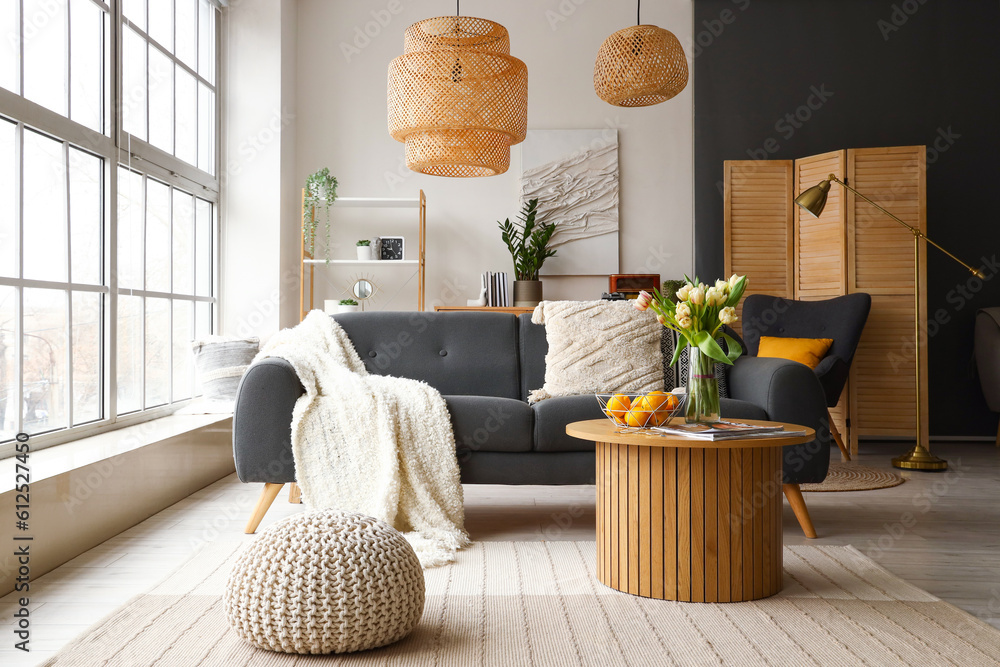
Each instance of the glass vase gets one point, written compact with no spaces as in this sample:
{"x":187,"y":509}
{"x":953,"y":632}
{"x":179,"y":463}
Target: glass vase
{"x":702,"y":389}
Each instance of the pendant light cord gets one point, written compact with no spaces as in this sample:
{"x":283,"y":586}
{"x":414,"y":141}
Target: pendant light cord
{"x":458,"y":7}
{"x":638,"y":3}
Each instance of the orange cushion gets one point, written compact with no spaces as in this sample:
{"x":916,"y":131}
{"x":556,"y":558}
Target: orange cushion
{"x":808,"y":351}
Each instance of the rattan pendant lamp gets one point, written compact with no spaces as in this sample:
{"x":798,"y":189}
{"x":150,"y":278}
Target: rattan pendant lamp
{"x":639,"y":66}
{"x":457,"y":98}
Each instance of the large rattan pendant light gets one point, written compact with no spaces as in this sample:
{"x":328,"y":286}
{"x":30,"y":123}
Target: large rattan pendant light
{"x":457,"y":98}
{"x":640,"y":66}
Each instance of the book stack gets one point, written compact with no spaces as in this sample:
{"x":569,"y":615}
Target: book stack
{"x":497,"y":290}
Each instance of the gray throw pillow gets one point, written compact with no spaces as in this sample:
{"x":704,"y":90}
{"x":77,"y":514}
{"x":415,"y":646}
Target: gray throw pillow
{"x":221,"y":362}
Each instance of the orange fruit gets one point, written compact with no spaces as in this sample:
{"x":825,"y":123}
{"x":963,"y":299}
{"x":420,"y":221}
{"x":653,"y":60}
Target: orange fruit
{"x":638,"y":417}
{"x":658,"y":403}
{"x":617,"y":407}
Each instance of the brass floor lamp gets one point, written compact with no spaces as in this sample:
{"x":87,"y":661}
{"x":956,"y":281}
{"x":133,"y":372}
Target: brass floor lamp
{"x":813,"y":200}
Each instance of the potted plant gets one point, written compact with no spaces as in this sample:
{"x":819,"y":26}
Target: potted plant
{"x":527,"y":240}
{"x":364,"y":250}
{"x":348,"y":306}
{"x":320,"y":193}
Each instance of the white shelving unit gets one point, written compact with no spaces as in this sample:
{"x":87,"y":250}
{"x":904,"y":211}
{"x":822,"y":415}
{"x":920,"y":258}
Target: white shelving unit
{"x":309,"y":263}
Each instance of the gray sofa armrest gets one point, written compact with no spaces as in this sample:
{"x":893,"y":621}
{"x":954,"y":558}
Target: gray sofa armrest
{"x":262,"y":422}
{"x":789,"y":392}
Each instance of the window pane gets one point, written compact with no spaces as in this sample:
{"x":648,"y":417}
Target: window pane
{"x":8,"y":363}
{"x":206,"y":40}
{"x":135,"y":11}
{"x":157,"y":352}
{"x":87,"y":72}
{"x":187,"y":117}
{"x":86,"y":357}
{"x":10,"y":54}
{"x":134,"y":84}
{"x":161,"y":101}
{"x":183,"y":360}
{"x":183,"y":243}
{"x":44,"y":358}
{"x":206,"y":128}
{"x":157,"y":236}
{"x":202,"y":320}
{"x":130,"y":213}
{"x":45,"y":53}
{"x":203,"y":248}
{"x":129,"y":353}
{"x":187,"y":31}
{"x":44,"y":208}
{"x":161,"y":23}
{"x":8,"y":204}
{"x":85,"y":216}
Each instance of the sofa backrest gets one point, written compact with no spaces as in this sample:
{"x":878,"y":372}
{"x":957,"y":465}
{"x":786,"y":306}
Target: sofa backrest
{"x":463,"y":353}
{"x":533,"y":348}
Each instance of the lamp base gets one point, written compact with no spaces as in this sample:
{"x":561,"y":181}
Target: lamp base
{"x":919,"y":458}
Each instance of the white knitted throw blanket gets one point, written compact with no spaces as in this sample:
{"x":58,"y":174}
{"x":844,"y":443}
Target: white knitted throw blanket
{"x":374,"y":444}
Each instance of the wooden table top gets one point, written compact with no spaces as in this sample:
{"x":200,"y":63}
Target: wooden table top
{"x":602,"y":430}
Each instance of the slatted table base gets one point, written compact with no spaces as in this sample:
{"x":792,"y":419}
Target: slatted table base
{"x":689,"y":524}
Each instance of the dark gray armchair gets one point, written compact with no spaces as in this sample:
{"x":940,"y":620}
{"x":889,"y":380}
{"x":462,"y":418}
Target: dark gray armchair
{"x":841,"y":319}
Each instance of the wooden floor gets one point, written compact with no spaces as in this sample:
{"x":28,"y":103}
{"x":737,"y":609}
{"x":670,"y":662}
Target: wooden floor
{"x":940,"y":531}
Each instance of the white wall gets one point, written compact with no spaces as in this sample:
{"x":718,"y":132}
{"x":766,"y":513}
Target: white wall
{"x":341,"y":123}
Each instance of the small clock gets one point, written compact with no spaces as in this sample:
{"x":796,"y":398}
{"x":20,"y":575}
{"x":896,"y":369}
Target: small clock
{"x":391,"y":248}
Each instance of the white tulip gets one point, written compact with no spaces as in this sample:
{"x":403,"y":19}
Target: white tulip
{"x":733,"y":279}
{"x":722,"y":286}
{"x":713,"y":297}
{"x":683,"y":310}
{"x":728,"y":315}
{"x":697,"y":295}
{"x":684,"y":323}
{"x":682,"y":293}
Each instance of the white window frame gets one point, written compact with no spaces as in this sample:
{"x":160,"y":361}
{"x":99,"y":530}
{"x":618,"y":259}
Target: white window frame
{"x":115,"y":148}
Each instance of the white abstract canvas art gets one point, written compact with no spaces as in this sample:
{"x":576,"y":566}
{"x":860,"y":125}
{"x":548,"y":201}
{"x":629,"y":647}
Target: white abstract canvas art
{"x":574,"y":176}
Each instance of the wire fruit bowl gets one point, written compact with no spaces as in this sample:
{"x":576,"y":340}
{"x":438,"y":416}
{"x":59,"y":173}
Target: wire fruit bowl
{"x":637,"y":411}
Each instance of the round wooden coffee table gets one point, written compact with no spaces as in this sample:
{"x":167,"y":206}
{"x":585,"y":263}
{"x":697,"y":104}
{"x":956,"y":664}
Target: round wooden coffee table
{"x":686,"y":519}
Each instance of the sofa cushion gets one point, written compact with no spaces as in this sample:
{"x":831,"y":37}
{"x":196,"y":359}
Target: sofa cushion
{"x":464,"y":353}
{"x":534,"y":347}
{"x":553,"y":414}
{"x":489,"y":424}
{"x":551,"y":417}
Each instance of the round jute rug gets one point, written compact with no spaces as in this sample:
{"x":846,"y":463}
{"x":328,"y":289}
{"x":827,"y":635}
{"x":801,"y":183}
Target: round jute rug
{"x":854,"y":477}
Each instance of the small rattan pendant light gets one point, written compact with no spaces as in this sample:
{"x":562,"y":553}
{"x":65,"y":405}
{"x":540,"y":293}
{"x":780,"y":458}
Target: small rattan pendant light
{"x":639,"y":66}
{"x":457,"y":98}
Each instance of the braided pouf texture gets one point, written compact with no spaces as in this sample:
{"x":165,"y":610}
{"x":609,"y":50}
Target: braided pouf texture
{"x":325,"y":582}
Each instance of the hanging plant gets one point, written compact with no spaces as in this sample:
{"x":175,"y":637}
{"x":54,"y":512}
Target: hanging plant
{"x":321,"y":191}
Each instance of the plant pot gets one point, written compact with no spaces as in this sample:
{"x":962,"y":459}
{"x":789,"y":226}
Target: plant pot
{"x":364,"y":253}
{"x":527,"y":293}
{"x":348,"y":309}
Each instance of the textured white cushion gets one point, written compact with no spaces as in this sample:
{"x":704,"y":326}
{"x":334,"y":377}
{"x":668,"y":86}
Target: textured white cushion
{"x":598,"y":346}
{"x":325,"y":582}
{"x":221,"y":362}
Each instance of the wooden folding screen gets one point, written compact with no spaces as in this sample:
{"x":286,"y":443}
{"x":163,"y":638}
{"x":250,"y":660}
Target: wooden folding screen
{"x":852,"y":247}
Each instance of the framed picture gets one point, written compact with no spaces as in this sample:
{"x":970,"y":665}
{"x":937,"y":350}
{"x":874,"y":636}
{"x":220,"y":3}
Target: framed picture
{"x":391,"y":248}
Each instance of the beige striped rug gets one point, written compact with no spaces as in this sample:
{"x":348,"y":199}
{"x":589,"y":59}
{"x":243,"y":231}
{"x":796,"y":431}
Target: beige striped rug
{"x":538,"y":603}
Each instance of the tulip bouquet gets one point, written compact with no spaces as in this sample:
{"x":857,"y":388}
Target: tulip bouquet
{"x":697,"y":315}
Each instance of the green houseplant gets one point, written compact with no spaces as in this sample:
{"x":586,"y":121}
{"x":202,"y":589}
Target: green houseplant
{"x":320,"y":193}
{"x":347,"y":306}
{"x":527,"y":240}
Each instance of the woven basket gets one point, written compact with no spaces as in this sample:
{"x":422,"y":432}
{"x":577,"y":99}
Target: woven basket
{"x":457,"y":99}
{"x":640,"y":66}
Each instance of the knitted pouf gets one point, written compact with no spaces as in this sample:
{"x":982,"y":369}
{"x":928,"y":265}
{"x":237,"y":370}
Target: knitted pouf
{"x":325,"y":582}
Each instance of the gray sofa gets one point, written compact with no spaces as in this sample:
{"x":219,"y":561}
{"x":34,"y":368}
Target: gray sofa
{"x":484,"y":364}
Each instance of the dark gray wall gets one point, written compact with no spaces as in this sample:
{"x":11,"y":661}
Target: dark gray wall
{"x":875,"y":74}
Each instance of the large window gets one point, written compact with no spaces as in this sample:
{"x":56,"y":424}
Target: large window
{"x":108,"y":209}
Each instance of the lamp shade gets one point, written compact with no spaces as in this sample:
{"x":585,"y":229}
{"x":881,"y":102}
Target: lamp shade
{"x":457,"y":98}
{"x":639,"y":66}
{"x":814,"y":199}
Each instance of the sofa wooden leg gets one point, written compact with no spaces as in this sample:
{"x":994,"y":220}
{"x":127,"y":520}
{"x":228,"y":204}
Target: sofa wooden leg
{"x":844,"y":453}
{"x":267,"y":496}
{"x":798,"y":503}
{"x":294,"y":494}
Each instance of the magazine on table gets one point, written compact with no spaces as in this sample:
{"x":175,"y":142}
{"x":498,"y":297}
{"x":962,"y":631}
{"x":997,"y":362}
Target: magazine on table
{"x":726,"y":430}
